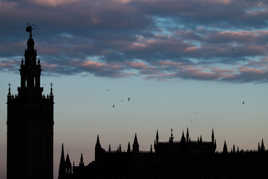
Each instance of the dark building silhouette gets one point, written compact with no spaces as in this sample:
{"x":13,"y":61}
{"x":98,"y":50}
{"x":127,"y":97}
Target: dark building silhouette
{"x":30,"y":122}
{"x":182,"y":159}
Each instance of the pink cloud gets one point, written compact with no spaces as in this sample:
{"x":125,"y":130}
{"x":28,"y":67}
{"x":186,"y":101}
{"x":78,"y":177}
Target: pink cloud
{"x":49,"y":65}
{"x":138,"y":65}
{"x":251,"y":70}
{"x":89,"y":63}
{"x":8,"y":64}
{"x":100,"y":65}
{"x":191,"y":49}
{"x":169,"y":63}
{"x":4,"y":5}
{"x":53,"y":3}
{"x":220,"y":70}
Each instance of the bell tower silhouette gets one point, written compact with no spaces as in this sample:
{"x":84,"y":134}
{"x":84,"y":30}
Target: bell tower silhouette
{"x":30,"y":122}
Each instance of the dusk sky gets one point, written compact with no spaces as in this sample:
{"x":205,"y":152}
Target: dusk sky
{"x":183,"y":63}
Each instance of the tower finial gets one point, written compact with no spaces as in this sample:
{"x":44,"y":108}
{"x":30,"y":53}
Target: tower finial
{"x":225,"y":150}
{"x":30,"y":42}
{"x":212,"y":136}
{"x":182,"y":137}
{"x":81,"y":163}
{"x":51,"y":89}
{"x":171,"y":135}
{"x":9,"y":87}
{"x":29,"y":29}
{"x":262,"y":145}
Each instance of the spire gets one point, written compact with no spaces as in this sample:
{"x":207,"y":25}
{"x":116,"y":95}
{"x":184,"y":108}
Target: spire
{"x":262,"y":146}
{"x":157,"y":137}
{"x":30,"y":71}
{"x":9,"y":90}
{"x":187,"y":136}
{"x":109,"y":148}
{"x":128,"y":147}
{"x":81,"y":163}
{"x":98,"y":145}
{"x":212,"y":136}
{"x":98,"y":149}
{"x":182,"y":137}
{"x":171,"y":136}
{"x":62,"y":166}
{"x":119,"y":148}
{"x":29,"y":29}
{"x":225,"y":150}
{"x":68,"y":164}
{"x":51,"y":89}
{"x":68,"y":161}
{"x":135,"y":144}
{"x":135,"y":139}
{"x":233,"y":150}
{"x":30,"y":42}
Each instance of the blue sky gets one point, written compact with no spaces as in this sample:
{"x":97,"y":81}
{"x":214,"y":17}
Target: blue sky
{"x":184,"y":63}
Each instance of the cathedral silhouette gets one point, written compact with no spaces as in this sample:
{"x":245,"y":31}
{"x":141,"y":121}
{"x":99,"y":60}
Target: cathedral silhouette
{"x":30,"y":131}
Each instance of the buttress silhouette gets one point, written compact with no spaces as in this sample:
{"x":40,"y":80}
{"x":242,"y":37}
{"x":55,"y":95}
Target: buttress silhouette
{"x":30,"y":122}
{"x":182,"y":159}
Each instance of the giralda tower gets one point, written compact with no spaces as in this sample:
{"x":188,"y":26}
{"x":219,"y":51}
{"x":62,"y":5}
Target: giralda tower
{"x":30,"y":122}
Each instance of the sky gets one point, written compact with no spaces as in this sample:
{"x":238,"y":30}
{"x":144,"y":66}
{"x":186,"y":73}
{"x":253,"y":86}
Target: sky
{"x":183,"y":63}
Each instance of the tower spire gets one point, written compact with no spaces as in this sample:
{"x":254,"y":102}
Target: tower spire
{"x":9,"y":90}
{"x":225,"y":150}
{"x":98,"y":145}
{"x":62,"y":167}
{"x":157,"y":137}
{"x":81,"y":163}
{"x":212,"y":136}
{"x":262,"y":146}
{"x":30,"y":71}
{"x":29,"y":29}
{"x":135,"y":144}
{"x":51,"y":89}
{"x":128,"y":147}
{"x":171,"y":136}
{"x":68,"y":164}
{"x":182,"y":137}
{"x":187,"y":135}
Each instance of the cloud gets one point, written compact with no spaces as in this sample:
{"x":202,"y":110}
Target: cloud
{"x":53,"y":3}
{"x":220,"y":40}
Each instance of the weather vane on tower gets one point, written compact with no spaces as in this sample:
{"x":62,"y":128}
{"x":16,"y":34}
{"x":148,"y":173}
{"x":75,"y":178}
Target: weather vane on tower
{"x":29,"y":29}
